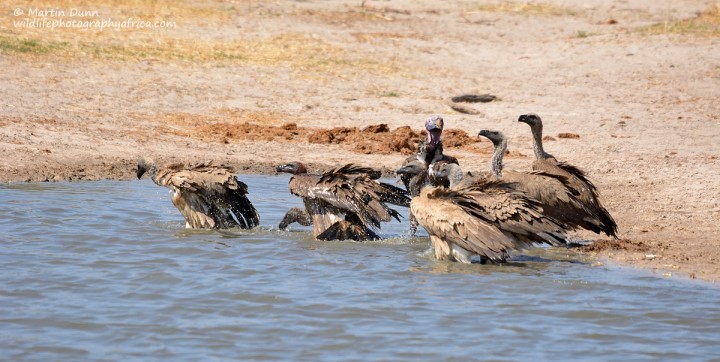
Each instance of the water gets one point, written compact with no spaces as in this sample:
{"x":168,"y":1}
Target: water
{"x":106,"y":271}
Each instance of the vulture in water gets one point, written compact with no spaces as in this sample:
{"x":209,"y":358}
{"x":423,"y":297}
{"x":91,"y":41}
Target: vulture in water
{"x":559,"y":200}
{"x":207,"y":196}
{"x":352,"y":191}
{"x":414,"y":170}
{"x":480,"y":217}
{"x":577,"y":180}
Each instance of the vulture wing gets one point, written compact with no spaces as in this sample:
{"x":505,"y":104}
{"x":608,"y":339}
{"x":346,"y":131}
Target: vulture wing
{"x":210,"y":196}
{"x":487,"y":218}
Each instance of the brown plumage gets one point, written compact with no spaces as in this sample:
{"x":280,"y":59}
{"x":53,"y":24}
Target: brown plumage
{"x":207,"y":196}
{"x":351,"y":191}
{"x":558,"y":199}
{"x":433,"y":150}
{"x":451,"y":175}
{"x":485,"y":217}
{"x":577,"y":179}
{"x":414,"y":174}
{"x":429,"y":151}
{"x":414,"y":170}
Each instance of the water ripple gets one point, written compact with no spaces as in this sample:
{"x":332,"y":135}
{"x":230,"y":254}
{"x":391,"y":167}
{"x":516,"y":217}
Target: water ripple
{"x":106,"y":271}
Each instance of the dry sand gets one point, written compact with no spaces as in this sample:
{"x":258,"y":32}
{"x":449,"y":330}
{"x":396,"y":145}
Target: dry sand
{"x":253,"y":83}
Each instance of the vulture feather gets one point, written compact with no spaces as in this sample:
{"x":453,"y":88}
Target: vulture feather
{"x":208,"y":196}
{"x":350,"y":191}
{"x":575,"y":178}
{"x":484,"y":217}
{"x":414,"y":170}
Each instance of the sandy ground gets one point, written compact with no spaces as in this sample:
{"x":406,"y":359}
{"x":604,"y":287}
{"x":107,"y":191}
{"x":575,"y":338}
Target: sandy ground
{"x":254,"y":84}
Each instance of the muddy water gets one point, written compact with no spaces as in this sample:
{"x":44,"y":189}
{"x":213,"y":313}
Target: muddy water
{"x":105,"y":271}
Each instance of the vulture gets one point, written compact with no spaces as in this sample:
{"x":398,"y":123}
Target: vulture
{"x":433,"y":150}
{"x":350,"y":191}
{"x":208,"y":196}
{"x":577,"y":179}
{"x":414,"y":170}
{"x":559,"y":200}
{"x":450,"y":174}
{"x":481,"y":217}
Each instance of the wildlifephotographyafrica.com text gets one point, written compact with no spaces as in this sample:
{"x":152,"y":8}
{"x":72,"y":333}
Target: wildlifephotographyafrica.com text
{"x":53,"y":18}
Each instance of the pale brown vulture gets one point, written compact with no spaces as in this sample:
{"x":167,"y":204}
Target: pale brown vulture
{"x":343,"y":203}
{"x":486,"y":217}
{"x":207,"y":196}
{"x":577,"y":179}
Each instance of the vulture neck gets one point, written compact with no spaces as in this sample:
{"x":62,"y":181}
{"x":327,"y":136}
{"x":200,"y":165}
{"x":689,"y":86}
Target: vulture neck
{"x":497,"y":158}
{"x":540,"y":153}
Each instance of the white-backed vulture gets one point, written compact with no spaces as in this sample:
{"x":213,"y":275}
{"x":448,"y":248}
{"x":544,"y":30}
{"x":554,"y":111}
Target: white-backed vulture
{"x":207,"y":196}
{"x":558,"y":199}
{"x":577,"y":179}
{"x":350,"y":191}
{"x":486,"y":217}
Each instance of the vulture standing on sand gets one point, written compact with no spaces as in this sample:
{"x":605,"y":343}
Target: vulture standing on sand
{"x":414,"y":170}
{"x":207,"y":196}
{"x":481,"y":217}
{"x":577,"y":180}
{"x":559,"y":200}
{"x":352,"y":191}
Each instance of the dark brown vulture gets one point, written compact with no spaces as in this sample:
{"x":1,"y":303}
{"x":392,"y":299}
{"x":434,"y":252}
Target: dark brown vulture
{"x":208,"y":196}
{"x":414,"y":170}
{"x":343,"y":203}
{"x":577,"y":179}
{"x":559,"y":200}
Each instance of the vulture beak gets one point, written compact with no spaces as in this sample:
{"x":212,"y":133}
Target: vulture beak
{"x":140,"y":172}
{"x":404,"y":169}
{"x":434,"y":126}
{"x":525,"y":118}
{"x":486,"y":133}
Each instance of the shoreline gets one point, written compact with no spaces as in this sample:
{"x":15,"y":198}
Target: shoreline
{"x":627,"y":91}
{"x":643,"y":254}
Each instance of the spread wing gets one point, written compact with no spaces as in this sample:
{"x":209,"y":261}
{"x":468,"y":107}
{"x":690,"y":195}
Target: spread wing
{"x":352,"y":189}
{"x":210,"y":196}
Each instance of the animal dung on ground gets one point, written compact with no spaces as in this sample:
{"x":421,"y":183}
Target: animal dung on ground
{"x":455,"y":102}
{"x":568,"y":135}
{"x":474,"y":98}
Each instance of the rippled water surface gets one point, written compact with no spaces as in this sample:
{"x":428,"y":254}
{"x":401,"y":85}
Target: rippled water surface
{"x":106,"y":271}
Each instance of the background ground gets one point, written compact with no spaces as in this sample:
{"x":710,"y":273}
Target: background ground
{"x":252,"y":83}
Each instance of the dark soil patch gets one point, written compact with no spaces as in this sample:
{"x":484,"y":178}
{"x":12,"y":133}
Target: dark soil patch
{"x":617,"y":244}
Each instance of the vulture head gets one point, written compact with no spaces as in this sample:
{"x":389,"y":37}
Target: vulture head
{"x":295,"y":168}
{"x":495,"y":136}
{"x":434,"y":126}
{"x":413,"y":168}
{"x":145,"y":165}
{"x":446,"y":173}
{"x":533,"y":120}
